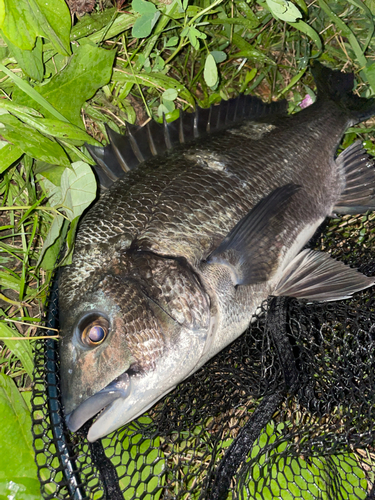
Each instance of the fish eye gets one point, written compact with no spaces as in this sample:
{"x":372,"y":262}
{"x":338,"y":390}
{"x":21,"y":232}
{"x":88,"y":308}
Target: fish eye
{"x":93,"y":329}
{"x":96,"y":334}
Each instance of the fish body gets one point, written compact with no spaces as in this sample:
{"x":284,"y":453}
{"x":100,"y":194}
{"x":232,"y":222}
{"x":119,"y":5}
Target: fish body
{"x":175,"y":258}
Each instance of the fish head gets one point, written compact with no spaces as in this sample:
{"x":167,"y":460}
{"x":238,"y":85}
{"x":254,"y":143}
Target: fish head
{"x":124,"y":344}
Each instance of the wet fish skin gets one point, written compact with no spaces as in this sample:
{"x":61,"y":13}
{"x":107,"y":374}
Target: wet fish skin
{"x":145,"y":253}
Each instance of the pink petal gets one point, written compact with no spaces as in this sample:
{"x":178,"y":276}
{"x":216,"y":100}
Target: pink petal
{"x":307,"y":101}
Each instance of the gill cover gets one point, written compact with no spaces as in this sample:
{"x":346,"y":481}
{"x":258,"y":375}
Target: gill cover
{"x":135,"y":338}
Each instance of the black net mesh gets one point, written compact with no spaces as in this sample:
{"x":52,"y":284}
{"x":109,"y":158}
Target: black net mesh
{"x":287,"y":411}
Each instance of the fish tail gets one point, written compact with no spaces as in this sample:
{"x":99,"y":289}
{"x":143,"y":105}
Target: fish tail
{"x":337,"y":86}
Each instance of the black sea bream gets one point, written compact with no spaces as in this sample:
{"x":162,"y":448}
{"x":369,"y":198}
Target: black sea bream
{"x":209,"y":220}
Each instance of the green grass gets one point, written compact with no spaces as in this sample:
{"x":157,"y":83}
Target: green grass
{"x":59,"y":86}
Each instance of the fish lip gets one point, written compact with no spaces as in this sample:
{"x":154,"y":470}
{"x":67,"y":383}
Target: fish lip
{"x":119,"y":388}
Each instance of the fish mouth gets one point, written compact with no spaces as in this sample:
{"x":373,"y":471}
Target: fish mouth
{"x":102,"y":401}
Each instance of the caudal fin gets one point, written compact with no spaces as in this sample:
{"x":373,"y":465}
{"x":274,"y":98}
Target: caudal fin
{"x":358,"y":170}
{"x":337,"y":86}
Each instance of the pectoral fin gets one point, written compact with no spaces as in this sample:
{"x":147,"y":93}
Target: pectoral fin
{"x":316,"y":276}
{"x":250,"y":249}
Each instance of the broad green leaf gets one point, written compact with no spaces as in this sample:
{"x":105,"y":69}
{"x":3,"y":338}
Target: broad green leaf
{"x":210,"y":71}
{"x":19,"y":24}
{"x":218,"y":55}
{"x":9,"y":281}
{"x":50,"y":241}
{"x":20,"y":488}
{"x":27,"y":395}
{"x":30,"y":61}
{"x":31,"y":93}
{"x":197,"y":33}
{"x":78,"y":189}
{"x":149,"y":16}
{"x":193,"y":39}
{"x":2,"y":12}
{"x":49,"y":256}
{"x":143,"y":7}
{"x":170,"y":95}
{"x":250,"y":75}
{"x":18,"y":472}
{"x":167,"y":106}
{"x":172,"y":42}
{"x":53,"y":16}
{"x":54,"y":62}
{"x":88,"y":70}
{"x":20,"y":348}
{"x":143,"y":25}
{"x":70,"y":238}
{"x":52,"y":191}
{"x":250,"y":16}
{"x":247,"y":50}
{"x":62,"y":130}
{"x":49,"y":126}
{"x":284,"y":10}
{"x":158,"y":80}
{"x":4,"y":50}
{"x":32,"y":142}
{"x":52,"y":173}
{"x":371,"y":5}
{"x":162,"y":110}
{"x":24,"y":20}
{"x":8,"y":155}
{"x":158,"y":64}
{"x":193,"y":34}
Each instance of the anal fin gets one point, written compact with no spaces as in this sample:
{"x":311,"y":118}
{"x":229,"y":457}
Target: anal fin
{"x":358,"y":170}
{"x":316,"y":276}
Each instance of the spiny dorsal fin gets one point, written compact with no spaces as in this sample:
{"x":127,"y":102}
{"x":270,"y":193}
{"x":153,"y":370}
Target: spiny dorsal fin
{"x":125,"y":152}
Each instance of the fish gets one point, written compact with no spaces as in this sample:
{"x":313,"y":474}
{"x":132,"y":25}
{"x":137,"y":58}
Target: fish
{"x":198,"y":222}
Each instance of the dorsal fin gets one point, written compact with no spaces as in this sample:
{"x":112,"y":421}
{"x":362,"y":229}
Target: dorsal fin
{"x":125,"y":152}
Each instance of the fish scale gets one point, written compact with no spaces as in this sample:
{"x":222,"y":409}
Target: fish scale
{"x":183,"y":246}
